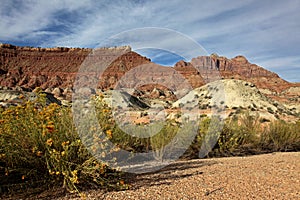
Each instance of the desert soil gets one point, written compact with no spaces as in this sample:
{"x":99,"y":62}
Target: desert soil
{"x":268,"y":176}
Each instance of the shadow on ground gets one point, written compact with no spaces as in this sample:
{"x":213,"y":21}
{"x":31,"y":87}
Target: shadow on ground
{"x":165,"y":176}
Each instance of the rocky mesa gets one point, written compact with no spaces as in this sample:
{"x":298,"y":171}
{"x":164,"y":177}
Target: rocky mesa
{"x":58,"y":67}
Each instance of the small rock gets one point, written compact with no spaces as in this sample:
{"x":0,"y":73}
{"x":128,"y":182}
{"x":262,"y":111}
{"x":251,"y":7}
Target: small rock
{"x":57,"y":92}
{"x":49,"y":90}
{"x":85,"y":91}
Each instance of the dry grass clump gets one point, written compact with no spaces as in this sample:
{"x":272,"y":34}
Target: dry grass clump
{"x":248,"y":135}
{"x":281,"y":136}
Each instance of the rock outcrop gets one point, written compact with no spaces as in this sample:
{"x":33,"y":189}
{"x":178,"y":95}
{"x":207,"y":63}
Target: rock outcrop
{"x":197,"y":72}
{"x":59,"y":67}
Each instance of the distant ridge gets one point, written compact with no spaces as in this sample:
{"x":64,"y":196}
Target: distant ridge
{"x":32,"y":67}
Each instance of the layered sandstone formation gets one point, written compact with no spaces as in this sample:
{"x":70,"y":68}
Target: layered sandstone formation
{"x":59,"y":67}
{"x":203,"y":68}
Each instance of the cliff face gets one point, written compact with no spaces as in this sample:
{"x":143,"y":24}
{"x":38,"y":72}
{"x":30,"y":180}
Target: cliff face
{"x":32,"y":67}
{"x":57,"y":67}
{"x":199,"y":70}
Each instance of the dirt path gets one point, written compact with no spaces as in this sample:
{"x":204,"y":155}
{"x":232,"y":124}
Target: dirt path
{"x":270,"y":176}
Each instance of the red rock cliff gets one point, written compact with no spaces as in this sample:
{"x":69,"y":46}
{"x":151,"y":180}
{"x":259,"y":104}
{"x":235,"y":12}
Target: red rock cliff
{"x":57,"y":67}
{"x":237,"y":68}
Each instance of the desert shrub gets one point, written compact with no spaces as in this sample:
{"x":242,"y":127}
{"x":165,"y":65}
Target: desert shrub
{"x":228,"y":138}
{"x":39,"y":145}
{"x":204,"y":142}
{"x":169,"y":136}
{"x":231,"y":114}
{"x":159,"y":141}
{"x":237,"y":133}
{"x":209,"y":134}
{"x":203,"y":115}
{"x":193,"y":150}
{"x":177,"y":115}
{"x":270,"y":110}
{"x":116,"y":135}
{"x":203,"y":106}
{"x":238,"y":110}
{"x":281,"y":136}
{"x":220,"y":110}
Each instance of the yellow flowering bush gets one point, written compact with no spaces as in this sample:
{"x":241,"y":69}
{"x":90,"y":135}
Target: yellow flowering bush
{"x":39,"y":143}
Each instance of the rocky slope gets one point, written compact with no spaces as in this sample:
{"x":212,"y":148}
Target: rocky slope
{"x":240,"y":68}
{"x":231,"y":97}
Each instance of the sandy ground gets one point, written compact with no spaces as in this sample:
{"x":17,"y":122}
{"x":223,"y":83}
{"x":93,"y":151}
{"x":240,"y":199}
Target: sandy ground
{"x":269,"y":176}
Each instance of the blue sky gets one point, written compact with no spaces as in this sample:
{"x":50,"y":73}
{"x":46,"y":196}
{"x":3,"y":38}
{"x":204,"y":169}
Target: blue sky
{"x":267,"y":32}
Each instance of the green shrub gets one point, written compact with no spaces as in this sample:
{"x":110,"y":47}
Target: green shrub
{"x":236,"y":134}
{"x":281,"y":136}
{"x":160,"y":140}
{"x":247,"y":135}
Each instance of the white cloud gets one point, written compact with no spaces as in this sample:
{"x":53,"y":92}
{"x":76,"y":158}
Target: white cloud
{"x":24,"y":18}
{"x":286,"y":66}
{"x":106,"y":21}
{"x":250,"y":27}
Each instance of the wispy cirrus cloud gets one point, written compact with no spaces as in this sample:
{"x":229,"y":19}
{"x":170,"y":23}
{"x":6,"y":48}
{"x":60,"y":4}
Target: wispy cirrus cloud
{"x":266,"y":32}
{"x":287,"y":67}
{"x":34,"y":21}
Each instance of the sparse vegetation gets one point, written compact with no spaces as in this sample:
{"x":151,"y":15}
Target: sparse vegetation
{"x":39,"y":144}
{"x":281,"y":136}
{"x":203,"y":106}
{"x":270,"y":110}
{"x":246,"y":135}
